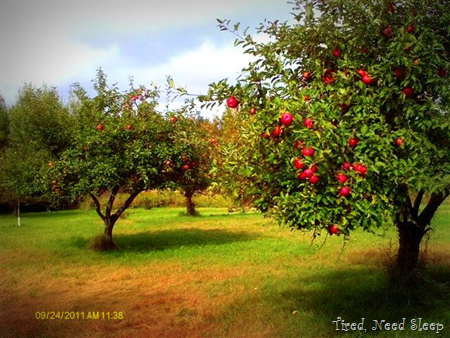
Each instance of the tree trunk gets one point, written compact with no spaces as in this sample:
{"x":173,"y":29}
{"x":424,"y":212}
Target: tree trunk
{"x":412,"y":228}
{"x":109,"y":218}
{"x":108,"y":243}
{"x":190,"y":205}
{"x":410,"y":237}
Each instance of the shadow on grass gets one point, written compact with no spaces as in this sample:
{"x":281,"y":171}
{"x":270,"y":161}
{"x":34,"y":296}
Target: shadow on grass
{"x":170,"y":239}
{"x":353,"y":294}
{"x":305,"y":306}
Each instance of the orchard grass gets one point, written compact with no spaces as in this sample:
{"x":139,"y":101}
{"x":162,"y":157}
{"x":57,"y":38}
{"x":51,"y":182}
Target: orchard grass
{"x":217,"y":275}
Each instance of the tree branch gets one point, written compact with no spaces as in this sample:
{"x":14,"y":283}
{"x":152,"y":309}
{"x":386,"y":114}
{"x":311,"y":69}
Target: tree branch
{"x":417,"y":202}
{"x":125,"y":205}
{"x":431,"y":208}
{"x":97,"y":206}
{"x":111,"y":201}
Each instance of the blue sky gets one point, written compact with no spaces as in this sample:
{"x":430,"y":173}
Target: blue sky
{"x":59,"y":42}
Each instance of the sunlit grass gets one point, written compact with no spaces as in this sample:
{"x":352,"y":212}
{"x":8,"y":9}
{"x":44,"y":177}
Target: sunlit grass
{"x":217,"y":275}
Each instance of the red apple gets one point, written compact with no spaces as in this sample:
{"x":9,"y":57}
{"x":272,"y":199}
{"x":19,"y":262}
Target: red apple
{"x":308,"y":173}
{"x":307,"y":98}
{"x":410,"y":29}
{"x":328,"y":77}
{"x":309,"y":123}
{"x":359,"y":168}
{"x":400,"y":73}
{"x":232,"y":102}
{"x":276,"y":131}
{"x":361,"y":72}
{"x":185,"y":158}
{"x":298,"y":164}
{"x":314,"y":179}
{"x":100,"y":127}
{"x":341,"y":178}
{"x":265,"y":135}
{"x":442,"y":72}
{"x":345,"y":191}
{"x":334,"y":230}
{"x":302,"y":176}
{"x":408,"y":91}
{"x":213,"y":141}
{"x":306,"y":76}
{"x":313,"y":168}
{"x":387,"y":31}
{"x":399,"y":141}
{"x":346,"y":166}
{"x":173,"y":119}
{"x":336,"y":52}
{"x":367,"y":80}
{"x":252,"y":111}
{"x":308,"y":151}
{"x":353,"y":142}
{"x":286,"y":119}
{"x":299,"y":144}
{"x":128,"y":127}
{"x":362,"y":169}
{"x":185,"y":167}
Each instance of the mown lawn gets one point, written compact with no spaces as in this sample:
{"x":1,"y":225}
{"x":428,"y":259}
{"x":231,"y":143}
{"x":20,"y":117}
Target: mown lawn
{"x":218,"y":275}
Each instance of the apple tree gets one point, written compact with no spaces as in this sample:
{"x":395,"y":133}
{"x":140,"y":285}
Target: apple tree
{"x":121,"y":144}
{"x":193,"y":172}
{"x":33,"y":131}
{"x":345,"y":116}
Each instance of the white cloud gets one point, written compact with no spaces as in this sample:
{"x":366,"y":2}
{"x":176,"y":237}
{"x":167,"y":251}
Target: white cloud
{"x":194,"y":70}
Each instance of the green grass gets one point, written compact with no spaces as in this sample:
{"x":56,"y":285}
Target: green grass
{"x":217,"y":275}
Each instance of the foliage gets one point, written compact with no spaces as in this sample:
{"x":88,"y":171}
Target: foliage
{"x":38,"y":127}
{"x":121,"y":143}
{"x":4,"y":123}
{"x":312,"y":69}
{"x":196,"y":135}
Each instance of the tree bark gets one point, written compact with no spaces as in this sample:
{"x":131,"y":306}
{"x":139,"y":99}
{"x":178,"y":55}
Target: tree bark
{"x":411,"y":230}
{"x":190,"y":205}
{"x":410,"y":237}
{"x":108,"y":243}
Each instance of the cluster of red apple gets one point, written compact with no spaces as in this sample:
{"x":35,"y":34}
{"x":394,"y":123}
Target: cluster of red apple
{"x":309,"y":174}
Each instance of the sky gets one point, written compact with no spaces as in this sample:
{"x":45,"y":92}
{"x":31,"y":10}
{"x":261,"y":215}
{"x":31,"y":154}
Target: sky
{"x":59,"y":42}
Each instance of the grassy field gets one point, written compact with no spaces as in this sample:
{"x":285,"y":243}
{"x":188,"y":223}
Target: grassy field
{"x":217,"y":275}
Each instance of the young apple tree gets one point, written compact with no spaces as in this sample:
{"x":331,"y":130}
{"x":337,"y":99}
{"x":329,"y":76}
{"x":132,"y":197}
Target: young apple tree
{"x":192,"y":171}
{"x":345,"y":117}
{"x":121,"y":144}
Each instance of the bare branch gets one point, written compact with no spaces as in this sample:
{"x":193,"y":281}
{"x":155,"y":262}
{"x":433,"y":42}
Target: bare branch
{"x":97,"y":206}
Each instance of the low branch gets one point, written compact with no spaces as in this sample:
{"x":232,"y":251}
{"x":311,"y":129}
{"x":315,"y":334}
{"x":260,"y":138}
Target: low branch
{"x":97,"y":206}
{"x":417,"y":203}
{"x":427,"y":214}
{"x":125,"y":205}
